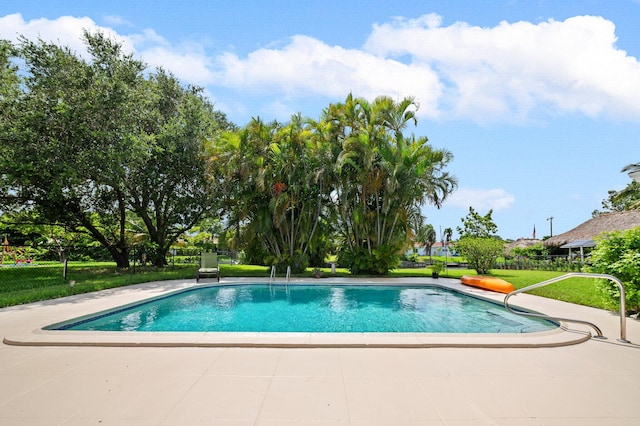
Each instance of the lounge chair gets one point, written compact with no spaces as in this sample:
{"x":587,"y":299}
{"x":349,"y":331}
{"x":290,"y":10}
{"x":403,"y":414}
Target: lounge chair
{"x":208,"y":266}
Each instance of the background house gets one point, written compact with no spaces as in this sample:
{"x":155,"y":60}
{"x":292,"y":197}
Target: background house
{"x":437,"y":249}
{"x":520,"y":243}
{"x":584,"y":235}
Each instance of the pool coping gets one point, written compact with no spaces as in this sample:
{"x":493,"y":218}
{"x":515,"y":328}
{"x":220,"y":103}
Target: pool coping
{"x":60,"y":310}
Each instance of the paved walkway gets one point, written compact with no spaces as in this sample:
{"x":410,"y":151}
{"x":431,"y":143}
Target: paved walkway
{"x":590,"y":383}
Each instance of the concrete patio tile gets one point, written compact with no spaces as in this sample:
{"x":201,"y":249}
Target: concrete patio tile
{"x":124,"y":396}
{"x":57,"y":398}
{"x":582,"y":421}
{"x":305,"y":399}
{"x":120,"y":361}
{"x":609,"y":358}
{"x":557,"y":397}
{"x":58,"y":361}
{"x":297,"y":422}
{"x":469,"y":398}
{"x":14,"y":385}
{"x":388,"y":399}
{"x":603,"y":394}
{"x":308,"y":362}
{"x":79,"y":421}
{"x":426,"y":362}
{"x":373,"y":362}
{"x":242,"y":362}
{"x":13,"y":356}
{"x":214,"y":399}
{"x":591,"y":383}
{"x":519,"y":422}
{"x":398,"y":423}
{"x":449,"y":360}
{"x":492,"y":361}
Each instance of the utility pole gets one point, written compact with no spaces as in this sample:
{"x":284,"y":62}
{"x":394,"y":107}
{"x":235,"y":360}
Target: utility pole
{"x":550,"y":219}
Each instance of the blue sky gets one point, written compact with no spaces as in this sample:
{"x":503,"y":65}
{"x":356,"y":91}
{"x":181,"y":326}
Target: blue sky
{"x":538,"y":100}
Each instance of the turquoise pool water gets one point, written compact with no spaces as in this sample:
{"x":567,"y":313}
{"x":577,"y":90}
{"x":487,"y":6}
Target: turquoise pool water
{"x":312,"y":308}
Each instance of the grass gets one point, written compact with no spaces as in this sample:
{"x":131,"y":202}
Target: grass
{"x":28,"y":284}
{"x":578,"y":290}
{"x":35,"y":283}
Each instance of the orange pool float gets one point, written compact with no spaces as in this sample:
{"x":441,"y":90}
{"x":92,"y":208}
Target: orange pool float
{"x":488,"y":283}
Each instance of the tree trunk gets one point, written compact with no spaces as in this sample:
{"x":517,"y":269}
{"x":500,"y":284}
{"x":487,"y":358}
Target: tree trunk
{"x":160,"y":259}
{"x":119,"y":252}
{"x":120,"y":255}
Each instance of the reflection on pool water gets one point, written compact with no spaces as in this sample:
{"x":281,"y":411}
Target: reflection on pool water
{"x":313,"y":308}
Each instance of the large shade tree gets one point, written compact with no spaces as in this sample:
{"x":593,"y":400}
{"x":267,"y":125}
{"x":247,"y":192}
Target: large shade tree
{"x":167,"y":185}
{"x":96,"y":144}
{"x":69,"y":136}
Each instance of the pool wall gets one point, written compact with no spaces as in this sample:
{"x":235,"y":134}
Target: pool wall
{"x":304,"y":307}
{"x":57,"y":312}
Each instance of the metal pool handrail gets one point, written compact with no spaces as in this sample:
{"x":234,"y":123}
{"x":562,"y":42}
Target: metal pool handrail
{"x":272,"y":277}
{"x":623,"y":318}
{"x":288,"y":275}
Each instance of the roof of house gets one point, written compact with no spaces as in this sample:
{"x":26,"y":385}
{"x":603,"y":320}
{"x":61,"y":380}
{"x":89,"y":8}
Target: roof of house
{"x":589,"y":230}
{"x":521,"y":243}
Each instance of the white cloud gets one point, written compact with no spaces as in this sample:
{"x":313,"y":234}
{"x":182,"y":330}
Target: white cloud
{"x":513,"y":72}
{"x":186,"y":60}
{"x":66,"y":30}
{"x":188,"y":66}
{"x":308,"y":67}
{"x":481,"y":199}
{"x":117,"y":21}
{"x":278,"y":111}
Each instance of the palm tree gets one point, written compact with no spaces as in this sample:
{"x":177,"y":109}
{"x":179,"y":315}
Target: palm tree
{"x":237,"y":171}
{"x":286,"y":185}
{"x":300,"y":176}
{"x":427,"y":237}
{"x":384,"y":177}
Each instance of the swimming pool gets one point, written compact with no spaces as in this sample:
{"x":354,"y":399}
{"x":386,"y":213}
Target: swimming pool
{"x":312,"y":308}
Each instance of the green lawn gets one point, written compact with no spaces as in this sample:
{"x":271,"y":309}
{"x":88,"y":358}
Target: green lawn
{"x":33,"y":283}
{"x":582,"y":291}
{"x":27,"y":284}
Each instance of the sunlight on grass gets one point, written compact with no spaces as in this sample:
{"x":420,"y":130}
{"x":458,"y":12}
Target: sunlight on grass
{"x":36,"y":283}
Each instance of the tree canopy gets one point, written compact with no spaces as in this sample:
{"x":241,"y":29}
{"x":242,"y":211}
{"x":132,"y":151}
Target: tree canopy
{"x":478,"y":242}
{"x":101,"y":146}
{"x":627,"y":198}
{"x":476,"y":225}
{"x":351,"y":179}
{"x":618,"y":254}
{"x":382,"y":179}
{"x":89,"y":143}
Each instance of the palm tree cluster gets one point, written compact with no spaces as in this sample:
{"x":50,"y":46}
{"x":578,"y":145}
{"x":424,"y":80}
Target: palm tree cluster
{"x":350,"y":181}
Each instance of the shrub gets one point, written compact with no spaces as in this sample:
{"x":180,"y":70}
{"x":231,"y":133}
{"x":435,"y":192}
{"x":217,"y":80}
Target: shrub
{"x":618,"y":254}
{"x":298,"y":262}
{"x":481,"y":253}
{"x":359,"y":261}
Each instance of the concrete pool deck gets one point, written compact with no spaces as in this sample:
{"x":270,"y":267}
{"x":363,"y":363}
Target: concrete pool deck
{"x":594,"y":382}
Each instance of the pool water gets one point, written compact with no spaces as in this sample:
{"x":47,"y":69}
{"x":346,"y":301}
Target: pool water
{"x":313,"y":308}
